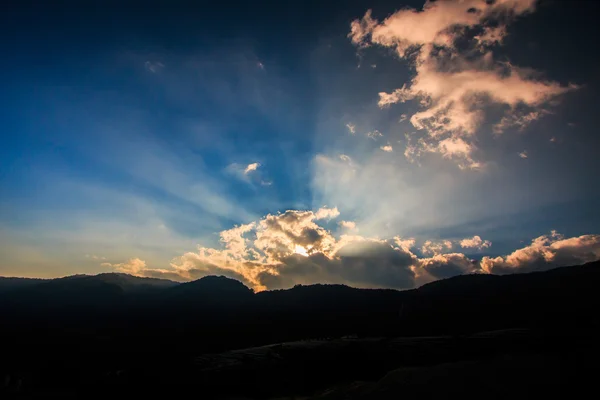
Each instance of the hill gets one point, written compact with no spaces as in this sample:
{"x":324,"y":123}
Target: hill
{"x":86,"y":326}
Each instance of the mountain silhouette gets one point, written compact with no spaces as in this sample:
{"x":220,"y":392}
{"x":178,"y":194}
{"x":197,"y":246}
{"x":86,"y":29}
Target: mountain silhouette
{"x":213,"y":304}
{"x":8,"y":284}
{"x":211,"y":287}
{"x":82,"y":325}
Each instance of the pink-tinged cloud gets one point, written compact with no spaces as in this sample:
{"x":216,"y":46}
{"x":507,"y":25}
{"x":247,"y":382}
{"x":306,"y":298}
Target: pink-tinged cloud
{"x":452,"y":89}
{"x":438,"y":23}
{"x":348,"y":225}
{"x":445,"y":265}
{"x":518,"y":120}
{"x":289,"y":248}
{"x":545,"y":252}
{"x":134,"y":266}
{"x":475,"y":243}
{"x":251,"y":167}
{"x":431,"y":247}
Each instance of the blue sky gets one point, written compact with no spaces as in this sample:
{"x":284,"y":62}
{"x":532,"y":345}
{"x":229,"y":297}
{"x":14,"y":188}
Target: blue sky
{"x":126,"y":132}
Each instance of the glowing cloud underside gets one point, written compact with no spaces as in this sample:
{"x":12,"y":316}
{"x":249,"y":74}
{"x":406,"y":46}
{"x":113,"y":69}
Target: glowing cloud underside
{"x":290,"y":248}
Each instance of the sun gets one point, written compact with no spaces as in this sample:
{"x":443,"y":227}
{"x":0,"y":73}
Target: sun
{"x":301,"y":250}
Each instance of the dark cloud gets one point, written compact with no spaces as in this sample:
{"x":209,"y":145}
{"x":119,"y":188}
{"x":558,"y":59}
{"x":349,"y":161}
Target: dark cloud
{"x":369,"y":264}
{"x":447,"y":265}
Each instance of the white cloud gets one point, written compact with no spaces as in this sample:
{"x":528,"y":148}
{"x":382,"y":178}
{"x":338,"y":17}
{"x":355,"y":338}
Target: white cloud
{"x":523,"y":154}
{"x":328,"y":213}
{"x":253,"y":173}
{"x":154,"y":66}
{"x":348,"y":225}
{"x":251,"y":167}
{"x":351,"y":128}
{"x":452,"y":89}
{"x":374,"y":134}
{"x":475,"y":243}
{"x":387,"y":148}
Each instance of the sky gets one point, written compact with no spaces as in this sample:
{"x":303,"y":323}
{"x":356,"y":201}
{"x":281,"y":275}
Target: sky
{"x":370,"y":143}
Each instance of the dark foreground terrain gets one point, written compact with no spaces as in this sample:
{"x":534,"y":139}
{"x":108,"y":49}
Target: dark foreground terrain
{"x":518,"y":336}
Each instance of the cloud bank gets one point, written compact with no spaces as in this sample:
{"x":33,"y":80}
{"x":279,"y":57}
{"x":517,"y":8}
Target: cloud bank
{"x":294,"y":247}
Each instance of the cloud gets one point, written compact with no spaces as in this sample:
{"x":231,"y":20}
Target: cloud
{"x":348,"y":225}
{"x":251,"y":167}
{"x":404,"y":244}
{"x":138,"y":267}
{"x":453,"y":148}
{"x":374,"y":134}
{"x":252,"y":173}
{"x":328,"y":213}
{"x":154,"y":66}
{"x":545,"y":252}
{"x":475,"y":243}
{"x":438,"y":23}
{"x":456,"y":76}
{"x":387,"y":148}
{"x":403,"y":118}
{"x":430,"y":247}
{"x":362,"y":264}
{"x":439,"y":247}
{"x":289,"y":248}
{"x":351,"y":128}
{"x":359,"y":29}
{"x":519,"y":120}
{"x":345,"y":158}
{"x":95,"y":257}
{"x":134,"y":266}
{"x":456,"y":148}
{"x":523,"y":154}
{"x":442,"y":266}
